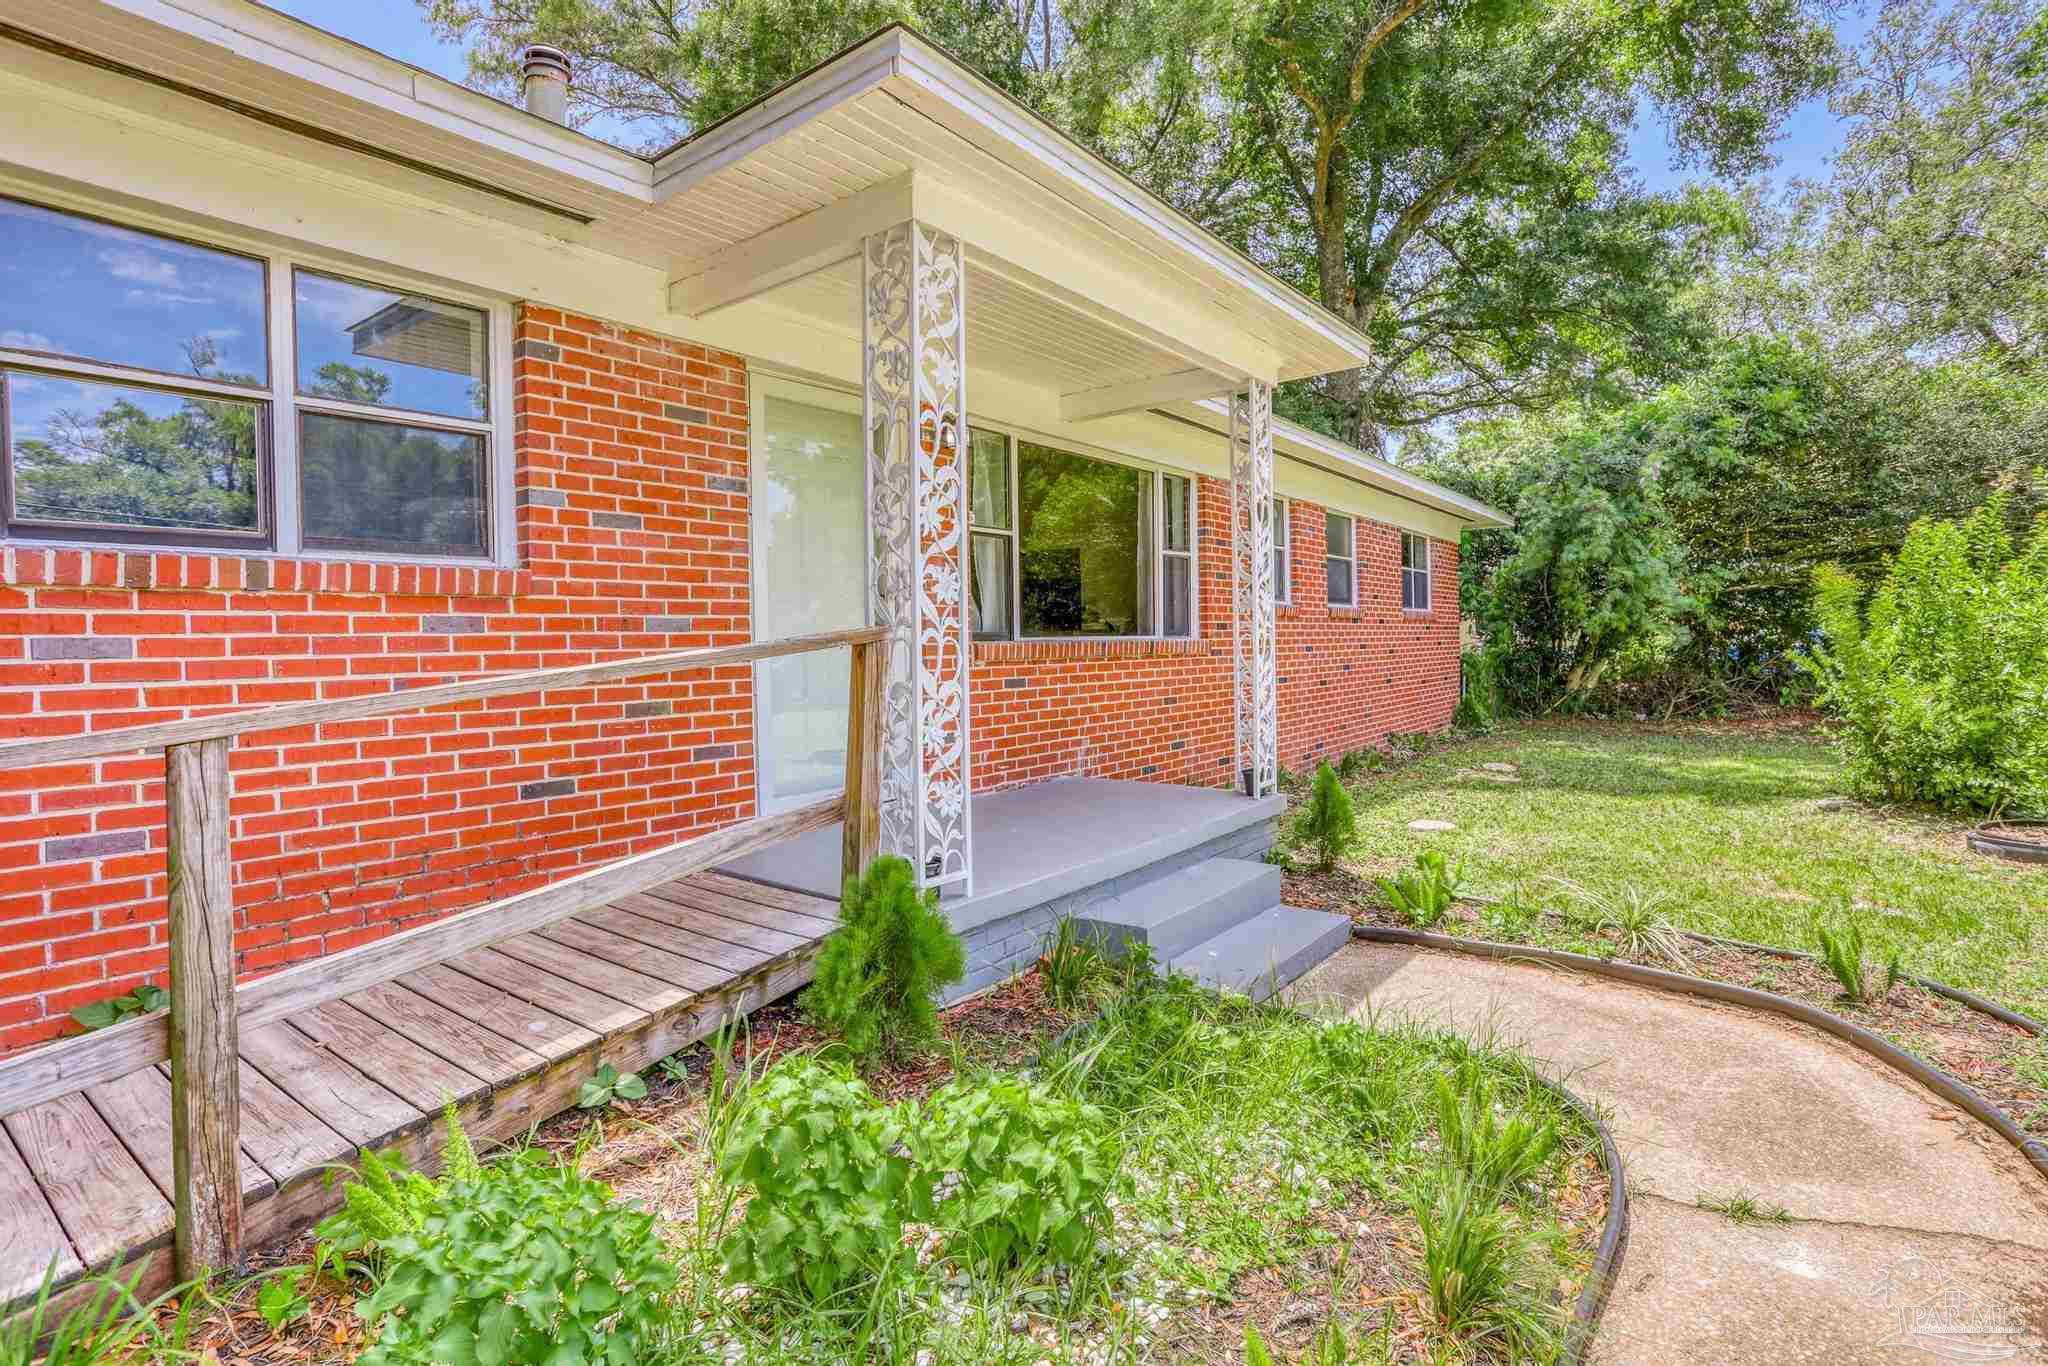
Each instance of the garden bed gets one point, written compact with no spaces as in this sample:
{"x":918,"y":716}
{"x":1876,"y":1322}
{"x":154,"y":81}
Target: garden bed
{"x":1270,"y":1168}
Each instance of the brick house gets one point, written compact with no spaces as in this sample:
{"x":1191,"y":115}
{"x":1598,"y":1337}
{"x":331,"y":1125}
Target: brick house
{"x":323,"y":376}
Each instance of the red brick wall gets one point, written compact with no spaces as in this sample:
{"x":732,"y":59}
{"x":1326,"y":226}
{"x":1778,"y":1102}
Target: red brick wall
{"x":632,"y":521}
{"x":1161,"y":710}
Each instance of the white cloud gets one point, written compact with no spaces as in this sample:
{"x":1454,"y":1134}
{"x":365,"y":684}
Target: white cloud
{"x":141,"y":268}
{"x":26,"y":341}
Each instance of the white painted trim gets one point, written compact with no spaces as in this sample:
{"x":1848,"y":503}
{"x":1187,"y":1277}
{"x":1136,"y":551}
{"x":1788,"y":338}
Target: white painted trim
{"x":1113,"y":399}
{"x":800,"y":247}
{"x":1283,"y":541}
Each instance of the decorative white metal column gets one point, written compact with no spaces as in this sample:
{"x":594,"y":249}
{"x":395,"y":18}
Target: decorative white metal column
{"x":914,"y":402}
{"x":1252,"y":649}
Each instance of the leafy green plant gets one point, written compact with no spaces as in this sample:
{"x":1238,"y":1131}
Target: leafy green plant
{"x":1633,"y":917}
{"x":523,"y":1260}
{"x":1940,"y":687}
{"x":1474,"y":1262}
{"x":282,"y":1299}
{"x":110,"y":1326}
{"x":608,"y":1084}
{"x":829,"y":1182}
{"x":144,"y":1000}
{"x":386,"y":1198}
{"x":1479,"y":702}
{"x":1255,"y":1350}
{"x":1841,"y":950}
{"x":1073,"y":969}
{"x":1326,"y":823}
{"x":879,"y":975}
{"x":1494,"y":1155}
{"x":1745,"y":1209}
{"x":1026,"y":1172}
{"x":1424,"y":894}
{"x":1350,"y":764}
{"x":1347,"y":1069}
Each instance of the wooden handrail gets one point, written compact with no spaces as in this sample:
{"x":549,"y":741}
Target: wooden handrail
{"x":164,"y":734}
{"x":200,"y":1032}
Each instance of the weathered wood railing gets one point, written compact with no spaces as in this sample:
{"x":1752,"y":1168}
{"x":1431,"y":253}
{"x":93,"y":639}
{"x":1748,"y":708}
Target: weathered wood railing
{"x":200,"y":1031}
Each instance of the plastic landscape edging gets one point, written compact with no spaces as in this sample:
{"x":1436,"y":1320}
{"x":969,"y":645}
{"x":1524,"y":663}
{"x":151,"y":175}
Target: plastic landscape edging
{"x":1606,"y":1268}
{"x":1955,"y":1092}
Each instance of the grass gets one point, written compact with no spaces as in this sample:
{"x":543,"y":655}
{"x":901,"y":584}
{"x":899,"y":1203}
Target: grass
{"x":1719,"y":828}
{"x":1745,"y":1209}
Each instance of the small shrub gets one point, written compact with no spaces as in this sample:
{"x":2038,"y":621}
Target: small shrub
{"x":1479,"y":703}
{"x":1473,"y":1261}
{"x":1326,"y":823}
{"x":1494,"y":1155}
{"x":1026,"y":1173}
{"x":879,"y":976}
{"x":830,"y":1186}
{"x":1842,"y":951}
{"x":1350,"y":765}
{"x":1425,"y":893}
{"x":144,"y":1000}
{"x":1940,"y":687}
{"x":526,"y":1259}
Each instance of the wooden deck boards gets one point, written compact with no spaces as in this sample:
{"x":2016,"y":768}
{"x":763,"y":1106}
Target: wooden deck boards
{"x":508,"y":1032}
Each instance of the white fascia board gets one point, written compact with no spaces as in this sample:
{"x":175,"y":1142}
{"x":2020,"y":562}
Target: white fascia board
{"x":1128,"y":204}
{"x":1114,"y":399}
{"x":1314,"y":446}
{"x":299,"y":50}
{"x":823,"y":237}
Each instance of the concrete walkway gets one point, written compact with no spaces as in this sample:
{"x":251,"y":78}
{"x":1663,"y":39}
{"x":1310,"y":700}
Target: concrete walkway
{"x":1915,"y":1235}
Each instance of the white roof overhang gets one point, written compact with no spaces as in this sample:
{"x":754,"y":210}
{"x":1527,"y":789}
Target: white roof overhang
{"x":1079,"y":281}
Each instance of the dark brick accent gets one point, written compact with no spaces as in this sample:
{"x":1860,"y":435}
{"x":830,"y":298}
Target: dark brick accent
{"x":550,"y":787}
{"x":639,"y":709}
{"x":616,"y":521}
{"x":726,"y":483}
{"x":1180,"y":744}
{"x":1013,"y":683}
{"x":704,"y":752}
{"x":528,"y":349}
{"x":678,"y":412}
{"x":674,"y":626}
{"x":95,"y":846}
{"x":256,"y":575}
{"x":81,"y":647}
{"x":543,"y":498}
{"x":452,"y":625}
{"x":136,"y":570}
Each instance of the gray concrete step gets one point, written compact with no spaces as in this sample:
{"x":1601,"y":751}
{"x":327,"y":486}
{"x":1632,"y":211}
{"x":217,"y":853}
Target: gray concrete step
{"x":1256,"y":957}
{"x":1175,"y":912}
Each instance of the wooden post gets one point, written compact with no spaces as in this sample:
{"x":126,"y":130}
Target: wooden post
{"x":863,"y":824}
{"x":206,"y":1105}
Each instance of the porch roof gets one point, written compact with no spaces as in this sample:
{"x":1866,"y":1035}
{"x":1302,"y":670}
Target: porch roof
{"x":1083,"y":282}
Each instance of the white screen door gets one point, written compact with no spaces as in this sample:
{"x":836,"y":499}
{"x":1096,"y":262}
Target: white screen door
{"x":810,"y":574}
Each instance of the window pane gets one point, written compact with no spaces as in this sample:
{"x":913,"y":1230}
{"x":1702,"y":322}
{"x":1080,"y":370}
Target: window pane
{"x":388,"y":348}
{"x":1174,"y":586}
{"x":383,"y":486}
{"x":1083,"y":545}
{"x":1414,"y":552}
{"x":1340,"y":581}
{"x":988,"y":480}
{"x":92,"y":454}
{"x":1415,"y":590}
{"x":990,"y":584}
{"x":1337,"y":533}
{"x":1176,"y":519}
{"x":1282,"y":592}
{"x":74,"y":287}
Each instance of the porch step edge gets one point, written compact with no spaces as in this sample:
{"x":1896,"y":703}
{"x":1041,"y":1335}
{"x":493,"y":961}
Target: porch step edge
{"x":1272,"y":950}
{"x":1183,"y":907}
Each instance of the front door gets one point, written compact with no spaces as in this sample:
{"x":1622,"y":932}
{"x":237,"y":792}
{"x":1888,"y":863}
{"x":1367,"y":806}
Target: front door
{"x":810,"y":574}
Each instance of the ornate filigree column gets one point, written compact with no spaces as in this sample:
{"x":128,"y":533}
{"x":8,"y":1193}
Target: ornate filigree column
{"x":914,"y":402}
{"x":1253,"y":652}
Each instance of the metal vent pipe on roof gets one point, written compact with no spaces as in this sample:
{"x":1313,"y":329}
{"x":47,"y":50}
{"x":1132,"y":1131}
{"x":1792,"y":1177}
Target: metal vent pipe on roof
{"x":544,"y":72}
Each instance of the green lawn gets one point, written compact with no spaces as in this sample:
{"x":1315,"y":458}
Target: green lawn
{"x":1724,"y":823}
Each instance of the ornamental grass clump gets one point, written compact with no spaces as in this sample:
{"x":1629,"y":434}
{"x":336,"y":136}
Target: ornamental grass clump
{"x":1327,"y":824}
{"x":880,"y":974}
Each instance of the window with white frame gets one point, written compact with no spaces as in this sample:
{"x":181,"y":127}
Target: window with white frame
{"x":1283,"y":554}
{"x":141,"y":402}
{"x":1063,"y":544}
{"x":1414,"y":573}
{"x":1340,"y":552}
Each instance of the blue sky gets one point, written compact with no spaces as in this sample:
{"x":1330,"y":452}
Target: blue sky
{"x":1810,"y":138}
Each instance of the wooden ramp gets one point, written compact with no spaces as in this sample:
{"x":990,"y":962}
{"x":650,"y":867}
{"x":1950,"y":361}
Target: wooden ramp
{"x":509,"y":1032}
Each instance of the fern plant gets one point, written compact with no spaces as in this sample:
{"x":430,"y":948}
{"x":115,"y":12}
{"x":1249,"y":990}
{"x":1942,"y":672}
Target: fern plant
{"x":1842,"y":951}
{"x":386,"y":1198}
{"x":880,"y":974}
{"x":1327,"y":823}
{"x":1424,"y":894}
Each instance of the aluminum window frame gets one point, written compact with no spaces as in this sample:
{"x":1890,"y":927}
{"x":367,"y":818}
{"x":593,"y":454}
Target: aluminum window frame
{"x":278,"y":427}
{"x":1349,"y":561}
{"x":1419,"y":573}
{"x":1283,"y":551}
